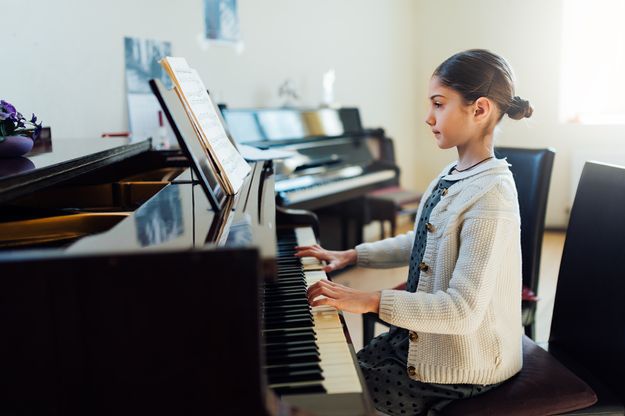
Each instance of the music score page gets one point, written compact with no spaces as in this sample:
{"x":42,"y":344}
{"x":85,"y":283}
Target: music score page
{"x":211,"y":132}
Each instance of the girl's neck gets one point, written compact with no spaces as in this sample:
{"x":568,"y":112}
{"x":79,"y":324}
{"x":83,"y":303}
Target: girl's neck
{"x":474,"y":151}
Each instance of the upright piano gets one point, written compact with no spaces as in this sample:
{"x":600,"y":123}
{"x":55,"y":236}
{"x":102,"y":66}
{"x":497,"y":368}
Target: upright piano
{"x":122,"y":291}
{"x":335,"y":159}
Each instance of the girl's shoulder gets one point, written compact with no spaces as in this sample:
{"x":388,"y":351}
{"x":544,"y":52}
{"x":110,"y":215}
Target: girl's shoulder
{"x":492,"y":189}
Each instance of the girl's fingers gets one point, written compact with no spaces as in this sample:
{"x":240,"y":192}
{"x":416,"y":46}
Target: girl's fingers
{"x":313,"y":247}
{"x":310,"y":253}
{"x":333,"y":265}
{"x":321,"y":291}
{"x":313,"y":252}
{"x":325,"y":301}
{"x":299,"y":248}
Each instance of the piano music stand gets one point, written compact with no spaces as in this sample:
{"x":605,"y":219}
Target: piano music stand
{"x":201,"y":163}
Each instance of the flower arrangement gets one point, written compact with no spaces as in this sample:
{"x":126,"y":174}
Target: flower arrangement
{"x":13,"y":123}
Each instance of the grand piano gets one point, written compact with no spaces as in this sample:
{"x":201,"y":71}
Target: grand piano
{"x":123,"y":291}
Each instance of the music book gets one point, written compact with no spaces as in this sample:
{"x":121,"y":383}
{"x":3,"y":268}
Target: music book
{"x":201,"y":164}
{"x":230,"y":166}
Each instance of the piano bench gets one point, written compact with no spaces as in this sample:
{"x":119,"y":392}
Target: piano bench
{"x":386,"y":203}
{"x":543,"y":387}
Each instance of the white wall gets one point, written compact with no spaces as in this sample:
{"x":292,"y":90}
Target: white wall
{"x":64,"y":59}
{"x":528,"y":34}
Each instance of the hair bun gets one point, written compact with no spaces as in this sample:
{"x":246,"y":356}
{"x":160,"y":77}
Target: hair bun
{"x":519,"y":108}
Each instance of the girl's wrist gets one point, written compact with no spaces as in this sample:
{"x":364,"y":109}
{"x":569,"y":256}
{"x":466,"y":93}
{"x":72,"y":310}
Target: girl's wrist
{"x":352,"y":256}
{"x":374,"y":305}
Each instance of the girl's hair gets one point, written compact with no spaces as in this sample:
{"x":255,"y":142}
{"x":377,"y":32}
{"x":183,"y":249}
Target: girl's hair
{"x":479,"y":73}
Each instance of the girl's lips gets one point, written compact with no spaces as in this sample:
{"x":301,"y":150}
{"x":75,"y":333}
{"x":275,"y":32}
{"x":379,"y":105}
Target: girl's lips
{"x":436,"y":132}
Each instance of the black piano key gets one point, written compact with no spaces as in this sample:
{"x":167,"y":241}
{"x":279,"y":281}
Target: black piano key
{"x":292,"y":358}
{"x":290,"y":323}
{"x":277,"y":318}
{"x":292,"y":311}
{"x":292,"y":390}
{"x":295,"y":376}
{"x":276,"y":291}
{"x":291,"y":348}
{"x":288,"y":368}
{"x":291,"y":335}
{"x":279,"y":307}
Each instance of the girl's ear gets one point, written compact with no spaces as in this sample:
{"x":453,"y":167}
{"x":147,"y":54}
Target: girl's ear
{"x":482,"y":109}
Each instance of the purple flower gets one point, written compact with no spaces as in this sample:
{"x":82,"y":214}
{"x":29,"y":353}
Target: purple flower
{"x":7,"y":107}
{"x":37,"y":132}
{"x":14,"y":123}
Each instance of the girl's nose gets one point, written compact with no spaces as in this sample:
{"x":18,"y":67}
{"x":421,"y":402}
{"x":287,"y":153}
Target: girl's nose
{"x":429,"y":120}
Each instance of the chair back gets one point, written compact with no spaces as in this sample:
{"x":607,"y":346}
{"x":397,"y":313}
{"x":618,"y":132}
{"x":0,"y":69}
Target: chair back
{"x":531,"y":169}
{"x":588,"y":324}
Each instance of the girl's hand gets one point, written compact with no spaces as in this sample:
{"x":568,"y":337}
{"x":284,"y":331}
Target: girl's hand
{"x":343,"y":298}
{"x":336,"y":259}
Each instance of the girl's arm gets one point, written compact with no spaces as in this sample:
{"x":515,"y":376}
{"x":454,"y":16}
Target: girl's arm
{"x":391,"y":252}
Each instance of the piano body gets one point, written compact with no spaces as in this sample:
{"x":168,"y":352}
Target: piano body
{"x":123,"y":292}
{"x":335,"y":163}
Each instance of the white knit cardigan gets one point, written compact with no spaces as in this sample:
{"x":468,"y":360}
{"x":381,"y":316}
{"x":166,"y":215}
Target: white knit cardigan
{"x":466,"y":312}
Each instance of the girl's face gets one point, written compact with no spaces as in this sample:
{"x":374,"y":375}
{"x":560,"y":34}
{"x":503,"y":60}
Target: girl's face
{"x":449,"y":117}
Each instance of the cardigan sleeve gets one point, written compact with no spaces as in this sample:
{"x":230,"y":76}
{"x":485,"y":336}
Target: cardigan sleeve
{"x":391,"y":252}
{"x":484,"y":244}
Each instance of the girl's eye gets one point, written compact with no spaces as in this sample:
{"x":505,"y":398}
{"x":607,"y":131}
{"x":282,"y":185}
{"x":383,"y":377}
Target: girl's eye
{"x":437,"y":105}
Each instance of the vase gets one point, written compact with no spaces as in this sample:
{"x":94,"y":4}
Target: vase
{"x":14,"y":146}
{"x":15,"y":165}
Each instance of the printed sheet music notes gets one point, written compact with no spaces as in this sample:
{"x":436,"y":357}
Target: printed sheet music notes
{"x":230,"y":165}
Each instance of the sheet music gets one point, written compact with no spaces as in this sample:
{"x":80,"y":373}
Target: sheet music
{"x":254,"y":153}
{"x":191,"y":90}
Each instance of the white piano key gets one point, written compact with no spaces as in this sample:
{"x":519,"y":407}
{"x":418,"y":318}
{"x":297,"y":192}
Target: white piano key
{"x":336,"y":363}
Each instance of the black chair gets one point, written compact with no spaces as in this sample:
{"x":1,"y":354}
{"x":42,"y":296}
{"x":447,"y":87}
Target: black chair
{"x":531,"y":169}
{"x":588,"y":326}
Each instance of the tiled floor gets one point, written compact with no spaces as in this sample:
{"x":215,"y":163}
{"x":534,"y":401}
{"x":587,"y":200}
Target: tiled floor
{"x":376,"y":279}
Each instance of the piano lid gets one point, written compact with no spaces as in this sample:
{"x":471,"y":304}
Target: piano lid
{"x":180,"y":217}
{"x":268,"y":126}
{"x":68,"y":159}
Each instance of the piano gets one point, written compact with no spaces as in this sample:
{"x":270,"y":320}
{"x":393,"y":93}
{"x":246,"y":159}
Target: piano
{"x":335,"y":162}
{"x":122,"y":291}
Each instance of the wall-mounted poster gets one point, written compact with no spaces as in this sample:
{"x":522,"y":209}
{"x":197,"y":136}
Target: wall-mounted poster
{"x":221,"y":19}
{"x":144,"y":113}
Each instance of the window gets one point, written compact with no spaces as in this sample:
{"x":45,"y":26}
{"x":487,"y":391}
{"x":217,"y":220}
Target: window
{"x":593,"y":62}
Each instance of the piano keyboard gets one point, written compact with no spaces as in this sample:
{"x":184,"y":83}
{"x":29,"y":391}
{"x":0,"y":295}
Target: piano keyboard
{"x":306,"y":349}
{"x":321,"y":189}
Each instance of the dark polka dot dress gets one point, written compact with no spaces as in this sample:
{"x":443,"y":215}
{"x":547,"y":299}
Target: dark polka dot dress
{"x":384,"y":360}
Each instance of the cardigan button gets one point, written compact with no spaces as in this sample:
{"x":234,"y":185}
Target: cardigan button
{"x":424,"y":267}
{"x":445,"y":191}
{"x":429,"y":227}
{"x":413,"y":336}
{"x":412,"y":371}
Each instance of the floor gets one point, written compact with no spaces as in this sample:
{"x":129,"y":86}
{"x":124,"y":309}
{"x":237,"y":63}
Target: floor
{"x":372,"y":279}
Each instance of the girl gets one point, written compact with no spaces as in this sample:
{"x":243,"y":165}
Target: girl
{"x":456,"y":330}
